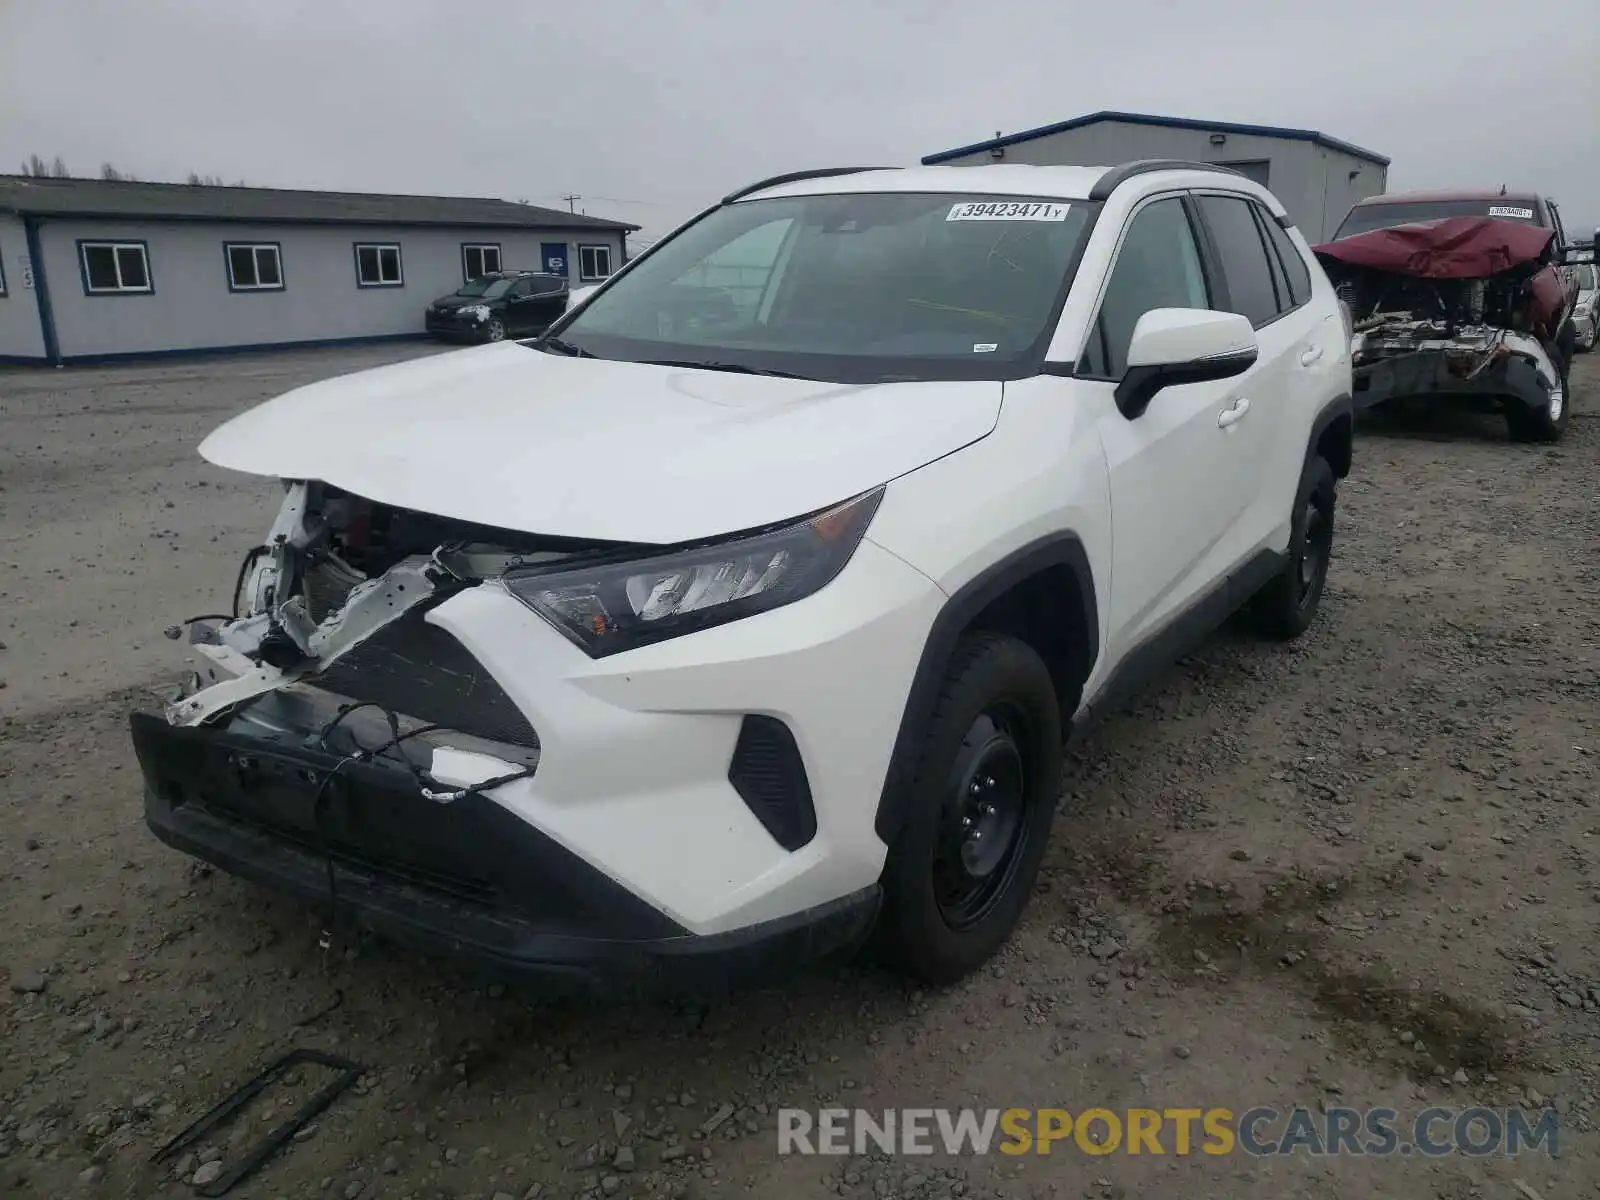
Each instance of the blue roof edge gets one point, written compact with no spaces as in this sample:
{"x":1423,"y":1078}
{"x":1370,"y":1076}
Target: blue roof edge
{"x":1028,"y":135}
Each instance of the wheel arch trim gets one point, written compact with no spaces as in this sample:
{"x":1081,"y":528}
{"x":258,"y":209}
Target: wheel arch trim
{"x":1341,"y":405}
{"x":1052,"y":550}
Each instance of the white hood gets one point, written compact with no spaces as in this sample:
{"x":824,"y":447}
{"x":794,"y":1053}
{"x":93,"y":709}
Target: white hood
{"x":574,"y":447}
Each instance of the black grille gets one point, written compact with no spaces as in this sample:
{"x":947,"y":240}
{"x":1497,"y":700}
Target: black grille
{"x":419,"y":670}
{"x":770,"y":777}
{"x":470,"y":889}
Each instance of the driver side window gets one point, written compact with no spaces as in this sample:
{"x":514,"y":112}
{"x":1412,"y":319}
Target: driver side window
{"x":1158,"y":266}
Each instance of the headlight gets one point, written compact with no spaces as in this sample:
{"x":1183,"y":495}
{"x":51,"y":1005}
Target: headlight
{"x":607,"y":606}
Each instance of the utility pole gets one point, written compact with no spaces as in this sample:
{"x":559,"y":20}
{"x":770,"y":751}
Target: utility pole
{"x":572,"y":202}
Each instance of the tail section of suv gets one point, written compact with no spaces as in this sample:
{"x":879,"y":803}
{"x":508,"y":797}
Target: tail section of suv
{"x":740,"y":619}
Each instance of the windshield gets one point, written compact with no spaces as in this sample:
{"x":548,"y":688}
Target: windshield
{"x":851,"y":288}
{"x":1367,"y":217}
{"x":487,"y":286}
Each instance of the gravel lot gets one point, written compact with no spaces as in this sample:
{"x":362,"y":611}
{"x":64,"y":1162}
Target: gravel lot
{"x":1361,"y":871}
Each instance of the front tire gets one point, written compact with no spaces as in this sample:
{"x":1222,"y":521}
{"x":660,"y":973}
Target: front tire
{"x":495,"y":331}
{"x":988,"y":773}
{"x":1546,"y":424}
{"x":1286,"y":606}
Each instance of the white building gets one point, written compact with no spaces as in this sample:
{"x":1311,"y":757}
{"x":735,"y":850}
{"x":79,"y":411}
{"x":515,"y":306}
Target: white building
{"x":1317,"y":177}
{"x":95,"y":270}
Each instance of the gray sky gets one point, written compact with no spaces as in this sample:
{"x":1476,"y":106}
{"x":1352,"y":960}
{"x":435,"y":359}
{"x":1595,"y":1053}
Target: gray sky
{"x":650,"y":108}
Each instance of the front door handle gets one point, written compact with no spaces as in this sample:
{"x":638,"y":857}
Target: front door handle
{"x":1310,"y":356}
{"x":1231,"y":416}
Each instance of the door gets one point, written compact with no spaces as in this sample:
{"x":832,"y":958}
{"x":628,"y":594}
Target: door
{"x":1250,"y":277}
{"x":519,"y":308}
{"x":1175,"y":470}
{"x":547,"y":300}
{"x":554,"y":257}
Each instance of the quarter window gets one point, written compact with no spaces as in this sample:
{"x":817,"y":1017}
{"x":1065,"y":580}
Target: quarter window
{"x":1294,"y":266}
{"x":479,"y":259}
{"x":111,"y":268}
{"x":1158,"y":266}
{"x":378,"y":264}
{"x":1245,"y":267}
{"x":254,"y":267}
{"x":594,"y":262}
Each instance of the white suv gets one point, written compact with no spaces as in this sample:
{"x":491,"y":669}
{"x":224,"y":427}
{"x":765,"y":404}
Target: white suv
{"x":744,"y":613}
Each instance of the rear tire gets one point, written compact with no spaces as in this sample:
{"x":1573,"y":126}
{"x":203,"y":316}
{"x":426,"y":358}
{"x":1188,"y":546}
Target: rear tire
{"x":1286,"y":606}
{"x":988,"y":775}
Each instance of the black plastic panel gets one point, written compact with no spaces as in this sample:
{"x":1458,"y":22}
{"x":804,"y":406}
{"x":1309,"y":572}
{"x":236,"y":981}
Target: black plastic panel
{"x":770,"y":776}
{"x":418,"y":669}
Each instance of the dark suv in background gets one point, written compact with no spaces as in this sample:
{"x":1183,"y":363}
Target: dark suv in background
{"x":499,"y":305}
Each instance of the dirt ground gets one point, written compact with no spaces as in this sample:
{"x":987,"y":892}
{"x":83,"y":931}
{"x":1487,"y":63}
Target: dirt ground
{"x":1361,"y":871}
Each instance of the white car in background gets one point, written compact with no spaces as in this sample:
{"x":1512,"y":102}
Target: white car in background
{"x":1586,"y":316}
{"x":741,"y":617}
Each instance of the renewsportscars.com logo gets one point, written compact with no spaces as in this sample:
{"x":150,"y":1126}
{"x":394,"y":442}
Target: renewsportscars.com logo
{"x":1259,"y":1132}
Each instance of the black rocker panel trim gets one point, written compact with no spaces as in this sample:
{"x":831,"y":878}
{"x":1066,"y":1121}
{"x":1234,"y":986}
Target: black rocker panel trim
{"x":1148,"y":660}
{"x":1055,"y":550}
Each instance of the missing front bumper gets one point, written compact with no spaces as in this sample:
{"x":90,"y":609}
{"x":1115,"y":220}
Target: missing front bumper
{"x":469,"y":879}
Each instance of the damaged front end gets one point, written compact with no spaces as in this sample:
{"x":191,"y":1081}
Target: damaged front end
{"x":333,"y":605}
{"x":1472,"y":309}
{"x":336,"y":744}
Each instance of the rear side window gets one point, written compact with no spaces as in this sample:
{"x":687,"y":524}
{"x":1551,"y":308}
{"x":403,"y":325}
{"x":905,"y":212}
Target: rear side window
{"x":1245,"y":267}
{"x":1294,"y":267}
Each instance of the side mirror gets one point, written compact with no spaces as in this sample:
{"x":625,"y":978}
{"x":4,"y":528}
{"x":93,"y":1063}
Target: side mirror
{"x":1174,"y":346}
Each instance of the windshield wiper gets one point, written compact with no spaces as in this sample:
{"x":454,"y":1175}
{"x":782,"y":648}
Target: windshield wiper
{"x":557,"y":345}
{"x":734,"y":368}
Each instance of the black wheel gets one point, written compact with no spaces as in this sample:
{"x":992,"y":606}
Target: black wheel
{"x":495,"y":330}
{"x":988,"y":775}
{"x":1546,"y":424}
{"x":1287,"y":605}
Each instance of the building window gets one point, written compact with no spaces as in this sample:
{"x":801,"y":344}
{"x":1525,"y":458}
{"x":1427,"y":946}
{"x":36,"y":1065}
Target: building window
{"x":594,"y":262}
{"x":479,"y":259}
{"x":254,"y":266}
{"x":112,"y":268}
{"x":378,"y":264}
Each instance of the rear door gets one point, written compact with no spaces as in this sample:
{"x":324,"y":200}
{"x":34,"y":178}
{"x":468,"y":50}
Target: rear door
{"x":1298,"y":346}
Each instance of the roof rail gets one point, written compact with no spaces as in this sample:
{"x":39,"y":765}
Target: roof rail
{"x":1117,"y":176}
{"x":796,"y":177}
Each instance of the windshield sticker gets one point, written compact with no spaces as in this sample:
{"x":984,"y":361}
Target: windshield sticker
{"x":985,"y":347}
{"x":1519,"y":214}
{"x":1008,"y":210}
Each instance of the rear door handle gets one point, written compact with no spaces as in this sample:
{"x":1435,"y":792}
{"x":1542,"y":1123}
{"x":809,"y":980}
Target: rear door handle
{"x":1310,"y":356}
{"x":1231,"y":416}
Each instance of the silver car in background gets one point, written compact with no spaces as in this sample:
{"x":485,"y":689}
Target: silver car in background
{"x":1586,"y":316}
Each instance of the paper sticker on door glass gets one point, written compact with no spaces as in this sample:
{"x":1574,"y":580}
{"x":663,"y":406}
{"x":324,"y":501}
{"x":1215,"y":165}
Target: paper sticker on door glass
{"x":985,"y":347}
{"x":1518,"y":214}
{"x":1007,"y":210}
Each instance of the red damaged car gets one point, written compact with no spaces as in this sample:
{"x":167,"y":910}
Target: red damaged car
{"x":1462,"y":297}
